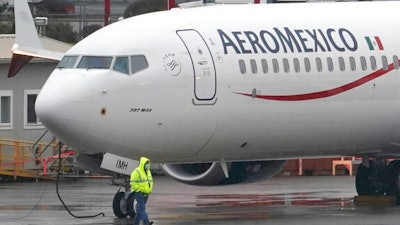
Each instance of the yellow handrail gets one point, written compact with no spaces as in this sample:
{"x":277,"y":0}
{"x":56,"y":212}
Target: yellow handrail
{"x":17,"y":158}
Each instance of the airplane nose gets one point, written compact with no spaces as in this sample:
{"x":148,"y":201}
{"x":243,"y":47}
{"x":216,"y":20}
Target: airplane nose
{"x":63,"y":106}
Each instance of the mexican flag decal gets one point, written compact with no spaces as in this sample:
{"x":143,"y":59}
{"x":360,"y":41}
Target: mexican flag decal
{"x":374,"y":43}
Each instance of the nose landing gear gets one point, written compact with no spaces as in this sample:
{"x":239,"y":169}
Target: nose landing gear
{"x":124,"y":203}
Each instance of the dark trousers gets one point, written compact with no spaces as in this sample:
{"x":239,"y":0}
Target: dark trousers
{"x":141,"y":214}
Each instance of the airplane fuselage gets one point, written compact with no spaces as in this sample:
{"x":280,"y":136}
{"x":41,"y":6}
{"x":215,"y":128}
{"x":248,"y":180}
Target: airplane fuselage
{"x":258,"y":82}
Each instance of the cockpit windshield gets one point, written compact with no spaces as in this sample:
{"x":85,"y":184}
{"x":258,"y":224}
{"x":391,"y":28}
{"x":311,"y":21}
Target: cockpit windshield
{"x":121,"y":64}
{"x":128,"y":65}
{"x":95,"y":62}
{"x":67,"y":61}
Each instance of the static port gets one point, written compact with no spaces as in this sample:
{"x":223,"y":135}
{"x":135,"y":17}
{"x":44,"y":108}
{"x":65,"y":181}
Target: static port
{"x":103,"y":111}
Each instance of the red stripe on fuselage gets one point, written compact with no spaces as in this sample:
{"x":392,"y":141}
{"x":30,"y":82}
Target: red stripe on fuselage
{"x":327,"y":93}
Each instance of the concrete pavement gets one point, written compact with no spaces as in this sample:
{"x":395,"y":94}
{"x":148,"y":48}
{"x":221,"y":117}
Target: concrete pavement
{"x":280,"y":200}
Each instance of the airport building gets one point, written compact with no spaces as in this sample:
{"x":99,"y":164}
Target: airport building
{"x":19,"y":126}
{"x":18,"y":94}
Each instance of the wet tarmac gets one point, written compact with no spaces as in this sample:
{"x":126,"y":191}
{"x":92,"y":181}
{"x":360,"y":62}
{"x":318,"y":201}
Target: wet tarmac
{"x":280,"y":200}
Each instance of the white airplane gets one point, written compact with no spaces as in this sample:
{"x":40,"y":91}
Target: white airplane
{"x":228,"y":93}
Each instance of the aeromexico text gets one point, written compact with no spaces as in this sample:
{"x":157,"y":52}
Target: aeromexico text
{"x":288,"y":40}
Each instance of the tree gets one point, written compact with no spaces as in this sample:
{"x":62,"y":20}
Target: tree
{"x":45,"y":7}
{"x":3,"y":7}
{"x":62,"y":32}
{"x":89,"y":29}
{"x":7,"y":27}
{"x":144,"y":6}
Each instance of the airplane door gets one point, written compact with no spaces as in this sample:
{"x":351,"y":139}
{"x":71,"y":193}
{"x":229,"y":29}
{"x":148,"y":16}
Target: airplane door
{"x":203,"y":66}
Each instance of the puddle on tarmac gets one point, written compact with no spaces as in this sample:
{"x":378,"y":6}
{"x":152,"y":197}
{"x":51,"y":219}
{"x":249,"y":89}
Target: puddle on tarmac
{"x":299,"y":199}
{"x":38,"y":207}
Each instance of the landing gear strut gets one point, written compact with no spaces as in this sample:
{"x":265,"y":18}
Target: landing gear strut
{"x":378,"y":178}
{"x":124,"y":203}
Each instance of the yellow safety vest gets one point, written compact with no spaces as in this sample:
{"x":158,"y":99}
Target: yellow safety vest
{"x":142,"y":180}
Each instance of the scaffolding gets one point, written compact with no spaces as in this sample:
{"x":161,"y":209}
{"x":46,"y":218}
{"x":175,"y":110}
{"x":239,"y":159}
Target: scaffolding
{"x":26,"y":159}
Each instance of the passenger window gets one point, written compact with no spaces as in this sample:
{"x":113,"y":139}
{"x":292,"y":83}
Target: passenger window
{"x":253,"y":66}
{"x":319,"y":64}
{"x":121,"y":64}
{"x":286,"y":67}
{"x":330,"y":63}
{"x":373,"y":62}
{"x":296,"y":64}
{"x":264,"y":65}
{"x":95,"y":62}
{"x":342,"y":65}
{"x":275,"y":65}
{"x":363,"y":63}
{"x":396,"y":62}
{"x":352,"y":63}
{"x":138,"y":63}
{"x":384,"y":63}
{"x":242,"y":66}
{"x":67,"y":61}
{"x":307,"y":64}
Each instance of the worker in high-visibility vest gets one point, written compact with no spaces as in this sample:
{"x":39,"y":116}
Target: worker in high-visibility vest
{"x":142,"y":186}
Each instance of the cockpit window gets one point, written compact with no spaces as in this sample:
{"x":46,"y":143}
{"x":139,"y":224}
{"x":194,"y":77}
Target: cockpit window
{"x":138,"y":62}
{"x":95,"y":62}
{"x":121,"y":64}
{"x":67,"y":61}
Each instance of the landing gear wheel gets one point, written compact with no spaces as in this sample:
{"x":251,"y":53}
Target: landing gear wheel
{"x":131,"y":205}
{"x":119,"y":205}
{"x":379,"y":179}
{"x":364,"y":184}
{"x":392,"y":179}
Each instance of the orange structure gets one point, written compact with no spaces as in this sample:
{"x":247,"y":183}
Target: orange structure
{"x":25,"y":159}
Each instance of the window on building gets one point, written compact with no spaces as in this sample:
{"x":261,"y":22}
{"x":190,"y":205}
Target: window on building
{"x":5,"y":109}
{"x":30,"y":118}
{"x":31,"y":99}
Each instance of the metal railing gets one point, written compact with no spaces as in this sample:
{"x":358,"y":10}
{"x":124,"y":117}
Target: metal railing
{"x":27,"y":159}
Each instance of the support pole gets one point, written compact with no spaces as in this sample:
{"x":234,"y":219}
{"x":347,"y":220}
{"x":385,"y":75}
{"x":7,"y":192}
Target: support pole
{"x":170,"y":4}
{"x":300,"y":167}
{"x":107,"y":11}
